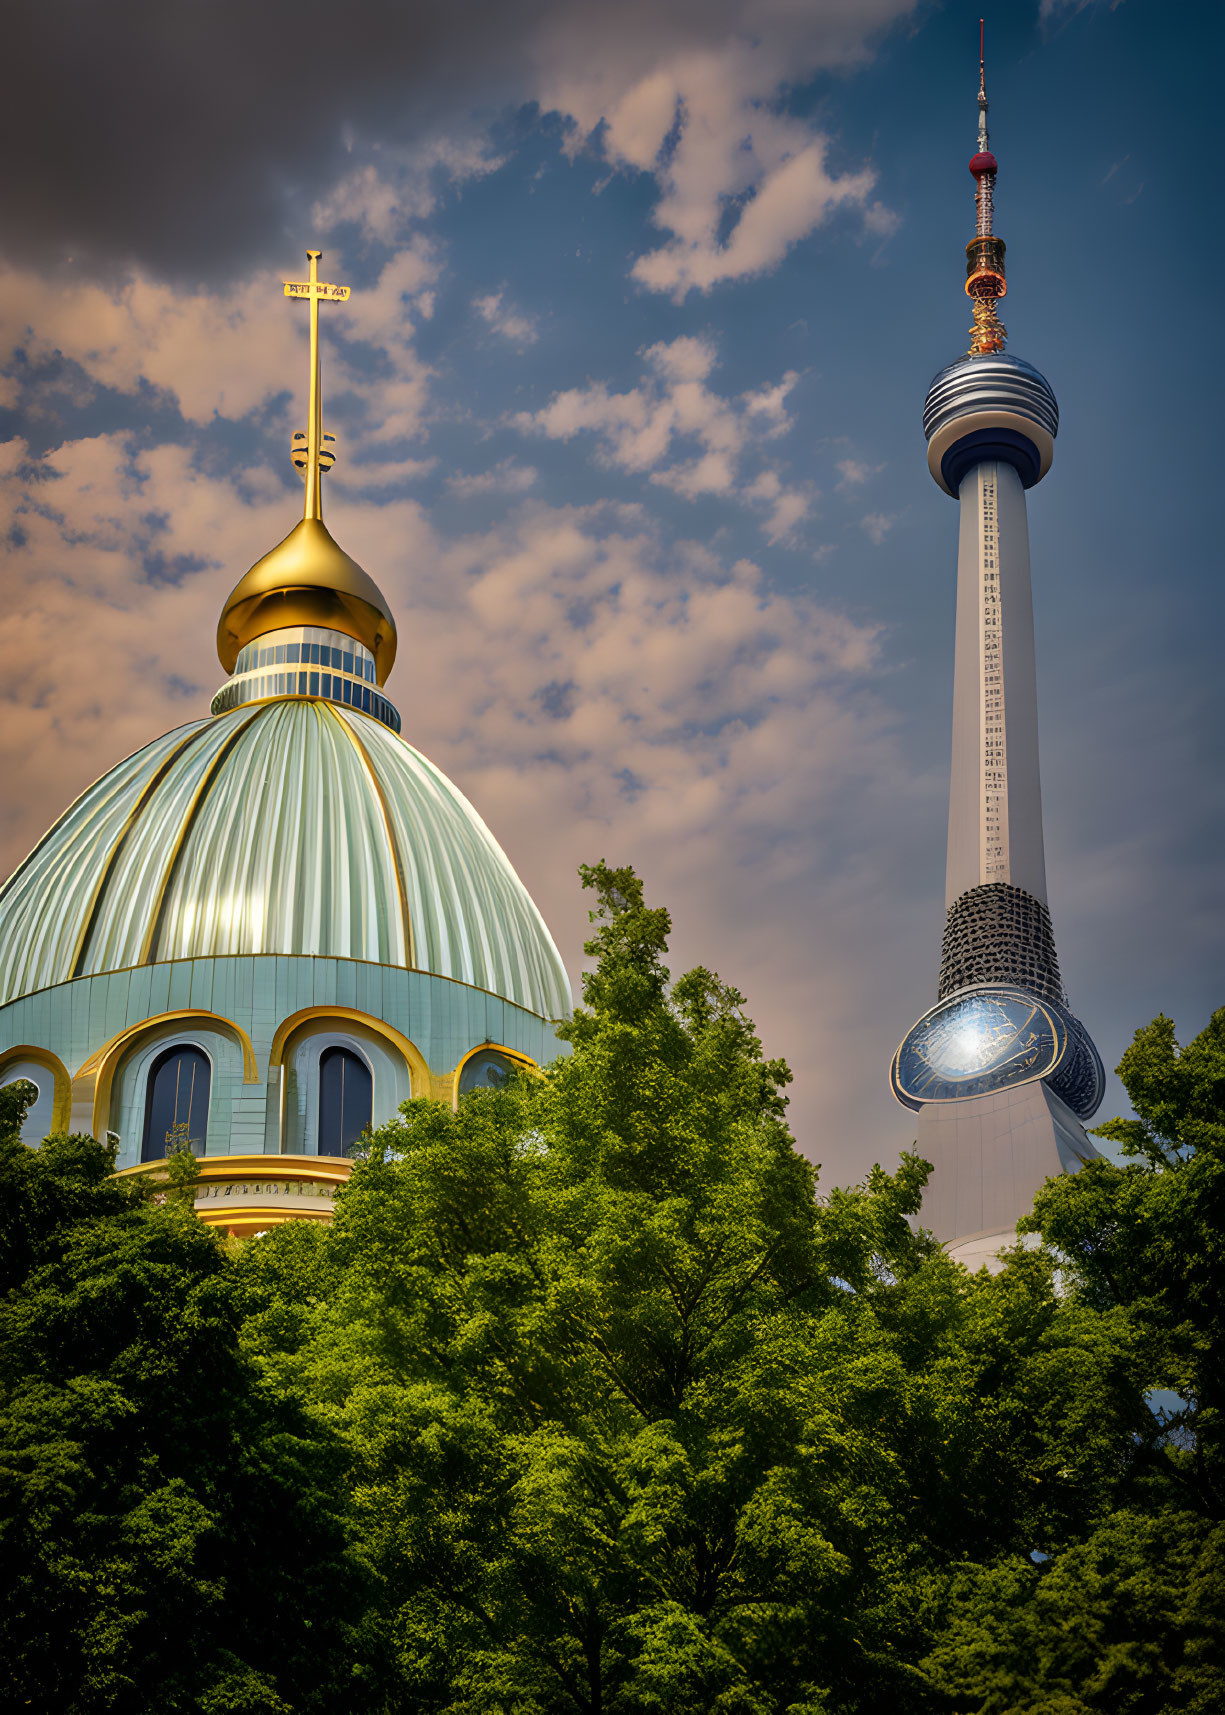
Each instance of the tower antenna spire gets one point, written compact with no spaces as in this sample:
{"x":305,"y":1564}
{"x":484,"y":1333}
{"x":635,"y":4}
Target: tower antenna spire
{"x":985,"y":282}
{"x":316,"y":456}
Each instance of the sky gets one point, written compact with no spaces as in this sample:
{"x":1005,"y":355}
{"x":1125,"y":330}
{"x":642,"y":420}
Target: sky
{"x":646,"y":298}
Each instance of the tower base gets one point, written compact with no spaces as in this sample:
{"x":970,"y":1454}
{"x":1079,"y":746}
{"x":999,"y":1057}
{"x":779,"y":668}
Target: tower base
{"x":990,"y":1156}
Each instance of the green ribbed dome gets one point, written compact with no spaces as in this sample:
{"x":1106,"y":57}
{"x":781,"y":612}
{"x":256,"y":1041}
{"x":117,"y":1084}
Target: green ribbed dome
{"x":292,"y":826}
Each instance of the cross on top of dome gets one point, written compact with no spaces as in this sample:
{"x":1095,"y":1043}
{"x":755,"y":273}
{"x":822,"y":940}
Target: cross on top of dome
{"x":318,"y":458}
{"x":308,"y":580}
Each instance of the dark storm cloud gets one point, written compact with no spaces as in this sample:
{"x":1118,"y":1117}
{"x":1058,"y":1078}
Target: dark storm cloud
{"x":178,"y":136}
{"x":163,"y":133}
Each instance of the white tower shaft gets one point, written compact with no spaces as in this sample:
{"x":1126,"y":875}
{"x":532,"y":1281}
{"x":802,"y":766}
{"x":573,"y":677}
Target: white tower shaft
{"x":995,"y":799}
{"x":1000,"y":1073}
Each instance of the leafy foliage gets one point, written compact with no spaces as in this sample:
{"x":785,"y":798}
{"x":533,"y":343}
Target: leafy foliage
{"x":1130,"y":1618}
{"x":591,"y":1404}
{"x":641,"y":1423}
{"x":169,"y":1530}
{"x":1148,"y":1240}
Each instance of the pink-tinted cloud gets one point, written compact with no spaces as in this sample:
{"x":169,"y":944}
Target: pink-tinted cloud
{"x":229,"y":353}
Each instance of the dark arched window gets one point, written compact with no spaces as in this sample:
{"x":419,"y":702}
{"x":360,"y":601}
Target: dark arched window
{"x":488,"y":1070}
{"x":346,"y":1097}
{"x":176,"y":1103}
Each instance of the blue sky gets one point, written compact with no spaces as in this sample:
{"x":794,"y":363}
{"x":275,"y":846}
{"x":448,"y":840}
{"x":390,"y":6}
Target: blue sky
{"x":645,"y":302}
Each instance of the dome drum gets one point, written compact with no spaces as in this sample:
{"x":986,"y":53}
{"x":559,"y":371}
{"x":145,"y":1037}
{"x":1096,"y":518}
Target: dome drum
{"x":262,"y":1027}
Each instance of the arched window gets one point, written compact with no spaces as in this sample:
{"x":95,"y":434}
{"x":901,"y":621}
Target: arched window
{"x":176,"y":1103}
{"x":37,"y":1122}
{"x":346,"y":1097}
{"x":488,"y":1070}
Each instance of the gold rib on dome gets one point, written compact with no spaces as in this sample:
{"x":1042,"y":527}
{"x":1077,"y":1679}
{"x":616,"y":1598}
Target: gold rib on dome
{"x":308,"y":579}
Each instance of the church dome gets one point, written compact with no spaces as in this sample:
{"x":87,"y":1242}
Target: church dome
{"x":286,"y":826}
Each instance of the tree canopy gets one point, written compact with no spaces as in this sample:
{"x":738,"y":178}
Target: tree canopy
{"x":171,"y":1530}
{"x":590,"y":1401}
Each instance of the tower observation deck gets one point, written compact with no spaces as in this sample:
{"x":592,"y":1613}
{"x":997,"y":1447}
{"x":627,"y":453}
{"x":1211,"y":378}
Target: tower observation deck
{"x":1000,"y":1072}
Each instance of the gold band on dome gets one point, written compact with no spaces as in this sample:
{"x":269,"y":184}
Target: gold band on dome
{"x":148,"y":951}
{"x":108,"y":869}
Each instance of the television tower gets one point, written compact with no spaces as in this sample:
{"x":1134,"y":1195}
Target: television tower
{"x":999,"y":1071}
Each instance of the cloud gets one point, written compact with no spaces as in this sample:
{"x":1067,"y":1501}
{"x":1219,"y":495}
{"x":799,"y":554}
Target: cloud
{"x":854,"y":473}
{"x":233,"y":352}
{"x":506,"y":477}
{"x":786,"y":508}
{"x":1050,"y":11}
{"x":740,"y":179}
{"x":676,"y":430}
{"x":357,"y":476}
{"x":385,"y":198}
{"x":263,"y":122}
{"x":512,"y":324}
{"x":876,"y":526}
{"x":220,"y":352}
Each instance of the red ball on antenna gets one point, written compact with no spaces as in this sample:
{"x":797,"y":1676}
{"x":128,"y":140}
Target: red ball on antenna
{"x":983,"y":163}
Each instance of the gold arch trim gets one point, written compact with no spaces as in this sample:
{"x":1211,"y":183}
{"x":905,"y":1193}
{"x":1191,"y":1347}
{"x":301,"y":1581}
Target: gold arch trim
{"x":514,"y":1054}
{"x":61,"y":1097}
{"x":102,"y":1064}
{"x":418,"y":1066}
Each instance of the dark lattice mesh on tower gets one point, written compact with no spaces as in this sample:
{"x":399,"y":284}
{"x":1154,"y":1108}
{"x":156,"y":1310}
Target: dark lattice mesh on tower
{"x":998,"y":933}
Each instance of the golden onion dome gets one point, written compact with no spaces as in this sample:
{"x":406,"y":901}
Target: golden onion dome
{"x":308,"y":579}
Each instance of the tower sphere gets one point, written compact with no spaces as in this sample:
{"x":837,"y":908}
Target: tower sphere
{"x":983,"y":162}
{"x":989,"y":406}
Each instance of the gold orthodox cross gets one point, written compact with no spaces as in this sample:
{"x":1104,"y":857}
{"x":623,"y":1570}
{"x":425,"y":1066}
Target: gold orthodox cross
{"x":314,"y":290}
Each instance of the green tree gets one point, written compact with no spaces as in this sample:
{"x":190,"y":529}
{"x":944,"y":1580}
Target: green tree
{"x":1129,"y":1618}
{"x":170,"y":1534}
{"x":639,"y":1423}
{"x":1148,"y":1238}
